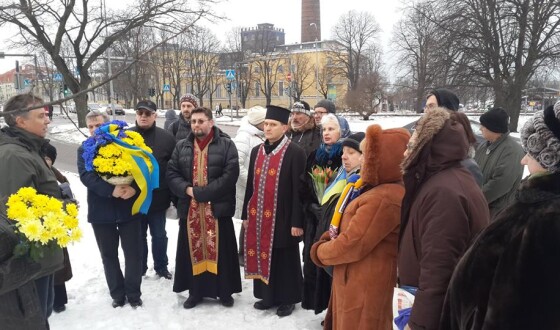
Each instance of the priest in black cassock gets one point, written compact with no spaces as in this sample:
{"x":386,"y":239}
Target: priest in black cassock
{"x":273,"y":216}
{"x":202,"y":173}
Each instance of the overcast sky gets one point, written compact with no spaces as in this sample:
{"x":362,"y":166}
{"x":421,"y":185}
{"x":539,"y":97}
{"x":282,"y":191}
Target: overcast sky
{"x":284,"y":14}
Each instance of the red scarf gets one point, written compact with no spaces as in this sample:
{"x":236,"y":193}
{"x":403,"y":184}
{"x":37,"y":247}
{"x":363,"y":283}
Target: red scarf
{"x":259,"y":235}
{"x":202,"y":227}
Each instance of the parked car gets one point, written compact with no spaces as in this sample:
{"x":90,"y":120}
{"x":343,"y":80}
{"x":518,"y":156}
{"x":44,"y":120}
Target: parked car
{"x":93,"y":106}
{"x":118,"y":109}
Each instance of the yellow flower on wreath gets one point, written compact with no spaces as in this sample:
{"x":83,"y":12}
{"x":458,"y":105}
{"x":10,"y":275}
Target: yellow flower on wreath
{"x":110,"y":161}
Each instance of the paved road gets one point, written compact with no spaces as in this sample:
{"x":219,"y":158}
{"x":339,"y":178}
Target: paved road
{"x":66,"y":158}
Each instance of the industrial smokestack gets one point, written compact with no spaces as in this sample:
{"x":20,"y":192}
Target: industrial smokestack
{"x":310,"y":20}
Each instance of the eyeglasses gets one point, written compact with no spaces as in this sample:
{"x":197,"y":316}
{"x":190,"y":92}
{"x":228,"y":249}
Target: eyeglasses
{"x":198,"y":121}
{"x":146,"y":113}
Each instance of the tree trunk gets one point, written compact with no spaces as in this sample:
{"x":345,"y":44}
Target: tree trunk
{"x":513,"y":105}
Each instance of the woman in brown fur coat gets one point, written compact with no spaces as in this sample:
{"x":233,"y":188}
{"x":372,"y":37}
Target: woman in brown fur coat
{"x":364,"y":254}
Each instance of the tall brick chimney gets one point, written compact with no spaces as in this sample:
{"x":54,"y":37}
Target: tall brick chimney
{"x":310,"y":20}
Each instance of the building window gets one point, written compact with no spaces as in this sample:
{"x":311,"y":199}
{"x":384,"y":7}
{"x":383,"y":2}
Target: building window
{"x":280,"y":68}
{"x":219,"y":91}
{"x":257,"y":89}
{"x":280,"y":88}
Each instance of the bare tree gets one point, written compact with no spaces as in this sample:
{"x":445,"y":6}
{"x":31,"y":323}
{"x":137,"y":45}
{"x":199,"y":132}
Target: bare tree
{"x":302,"y":76}
{"x":267,"y":68}
{"x":201,"y":49}
{"x":91,"y":30}
{"x":503,"y":42}
{"x":356,"y":32}
{"x":416,"y":44}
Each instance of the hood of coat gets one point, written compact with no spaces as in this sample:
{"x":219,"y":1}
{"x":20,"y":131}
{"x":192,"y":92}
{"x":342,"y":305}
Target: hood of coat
{"x":439,"y":143}
{"x":16,"y":135}
{"x":170,"y":114}
{"x":383,"y":152}
{"x":249,"y":129}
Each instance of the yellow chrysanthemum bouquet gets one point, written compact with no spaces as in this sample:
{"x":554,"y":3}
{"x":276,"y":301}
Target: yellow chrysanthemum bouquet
{"x":121,"y":156}
{"x":42,"y":222}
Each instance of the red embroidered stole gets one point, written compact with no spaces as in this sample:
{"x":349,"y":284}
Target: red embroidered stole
{"x":261,"y":212}
{"x":202,"y":227}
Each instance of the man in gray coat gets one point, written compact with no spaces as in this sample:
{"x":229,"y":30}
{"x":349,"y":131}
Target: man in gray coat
{"x":26,"y":287}
{"x":499,"y":159}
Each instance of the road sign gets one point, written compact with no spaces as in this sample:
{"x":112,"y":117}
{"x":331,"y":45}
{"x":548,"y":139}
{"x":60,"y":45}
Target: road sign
{"x":166,"y":88}
{"x":57,"y":77}
{"x":26,"y":82}
{"x":230,"y":74}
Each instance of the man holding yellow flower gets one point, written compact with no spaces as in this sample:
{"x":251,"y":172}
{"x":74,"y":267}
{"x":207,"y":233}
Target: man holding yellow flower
{"x":109,"y":212}
{"x":25,"y":283}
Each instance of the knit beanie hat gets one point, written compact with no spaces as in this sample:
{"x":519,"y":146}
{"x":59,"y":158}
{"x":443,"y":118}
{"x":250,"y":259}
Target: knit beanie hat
{"x":327,"y":104}
{"x":353,"y":141}
{"x":445,"y":98}
{"x":189,"y":98}
{"x":50,"y":151}
{"x":256,"y":115}
{"x":495,"y":120}
{"x":540,"y":137}
{"x":302,"y":107}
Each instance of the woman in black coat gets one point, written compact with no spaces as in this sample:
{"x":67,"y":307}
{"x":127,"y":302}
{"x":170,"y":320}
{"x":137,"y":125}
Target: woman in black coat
{"x":508,"y":279}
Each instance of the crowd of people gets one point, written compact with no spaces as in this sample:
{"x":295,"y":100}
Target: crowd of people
{"x":449,"y":221}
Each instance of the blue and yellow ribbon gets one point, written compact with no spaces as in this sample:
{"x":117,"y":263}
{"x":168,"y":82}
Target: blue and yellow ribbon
{"x":146,"y":180}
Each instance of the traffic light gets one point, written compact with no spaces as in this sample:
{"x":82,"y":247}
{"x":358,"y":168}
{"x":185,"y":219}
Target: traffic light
{"x":228,"y":87}
{"x":66,"y":90}
{"x":61,"y":89}
{"x":151,"y":91}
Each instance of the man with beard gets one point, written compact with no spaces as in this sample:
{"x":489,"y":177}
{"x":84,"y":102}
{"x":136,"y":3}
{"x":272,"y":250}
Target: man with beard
{"x":162,"y":144}
{"x":202,"y":173}
{"x":181,"y":128}
{"x":273,"y":216}
{"x":303,"y":130}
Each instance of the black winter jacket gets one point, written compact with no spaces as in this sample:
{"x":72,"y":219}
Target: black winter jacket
{"x":223,"y":170}
{"x":162,"y":144}
{"x":180,"y":128}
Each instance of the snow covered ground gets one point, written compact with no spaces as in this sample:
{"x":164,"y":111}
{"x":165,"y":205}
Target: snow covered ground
{"x":89,"y":305}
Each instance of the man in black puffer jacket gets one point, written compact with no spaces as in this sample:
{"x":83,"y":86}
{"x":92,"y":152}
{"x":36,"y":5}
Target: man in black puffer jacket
{"x":162,"y":144}
{"x":202,"y":173}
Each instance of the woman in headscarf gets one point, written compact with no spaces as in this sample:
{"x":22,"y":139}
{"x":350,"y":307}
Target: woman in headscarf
{"x":363,"y":250}
{"x":327,"y":158}
{"x":514,"y":262}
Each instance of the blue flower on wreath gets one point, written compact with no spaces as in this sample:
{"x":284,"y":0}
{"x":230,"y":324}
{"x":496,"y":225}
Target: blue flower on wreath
{"x":99,"y":139}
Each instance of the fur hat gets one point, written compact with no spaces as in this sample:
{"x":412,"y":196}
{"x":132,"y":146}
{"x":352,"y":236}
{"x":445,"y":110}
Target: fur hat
{"x":495,"y":120}
{"x":383,"y":151}
{"x":327,"y":104}
{"x":189,"y":98}
{"x":353,"y":141}
{"x":256,"y":115}
{"x":302,"y":107}
{"x":540,"y":137}
{"x":445,"y":98}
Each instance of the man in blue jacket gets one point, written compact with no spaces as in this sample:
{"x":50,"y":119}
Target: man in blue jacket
{"x":109,"y":212}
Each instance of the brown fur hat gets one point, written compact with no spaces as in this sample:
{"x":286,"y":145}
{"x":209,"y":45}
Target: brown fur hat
{"x":383,"y":152}
{"x":427,"y":127}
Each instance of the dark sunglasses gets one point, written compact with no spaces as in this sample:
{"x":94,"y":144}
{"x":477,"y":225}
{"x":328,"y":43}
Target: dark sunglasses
{"x":143,"y":112}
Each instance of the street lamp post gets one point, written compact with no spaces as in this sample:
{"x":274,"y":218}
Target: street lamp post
{"x":316,"y":62}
